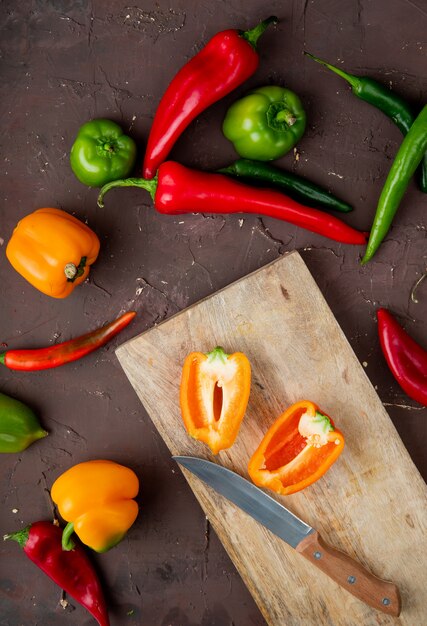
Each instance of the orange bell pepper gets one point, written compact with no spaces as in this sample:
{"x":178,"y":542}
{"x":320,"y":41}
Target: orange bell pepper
{"x":297,"y":450}
{"x":96,"y":499}
{"x":53,"y":251}
{"x":214,"y":395}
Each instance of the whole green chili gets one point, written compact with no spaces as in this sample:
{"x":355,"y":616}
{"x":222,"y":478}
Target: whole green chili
{"x":390,"y":103}
{"x":404,"y":165}
{"x":296,"y":187}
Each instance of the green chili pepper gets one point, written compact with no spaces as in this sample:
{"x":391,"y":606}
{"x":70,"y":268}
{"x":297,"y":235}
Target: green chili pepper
{"x":102,"y":153}
{"x":19,"y":426}
{"x":296,"y":187}
{"x":265,"y":124}
{"x":404,"y":165}
{"x":395,"y":107}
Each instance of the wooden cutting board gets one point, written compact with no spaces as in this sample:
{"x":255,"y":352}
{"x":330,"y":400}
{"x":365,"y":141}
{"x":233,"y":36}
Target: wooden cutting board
{"x":371,"y":504}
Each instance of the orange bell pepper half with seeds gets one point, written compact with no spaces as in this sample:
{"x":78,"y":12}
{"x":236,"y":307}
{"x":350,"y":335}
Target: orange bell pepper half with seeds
{"x":297,"y":450}
{"x":214,"y":395}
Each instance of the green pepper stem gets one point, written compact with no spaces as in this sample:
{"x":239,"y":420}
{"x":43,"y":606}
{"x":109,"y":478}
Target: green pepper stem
{"x":67,"y":542}
{"x":21,"y":536}
{"x":217,"y":353}
{"x":325,"y":421}
{"x":142,"y":183}
{"x":72,"y":271}
{"x":255,"y":33}
{"x":285,"y":115}
{"x":354,"y":81}
{"x":279,"y":117}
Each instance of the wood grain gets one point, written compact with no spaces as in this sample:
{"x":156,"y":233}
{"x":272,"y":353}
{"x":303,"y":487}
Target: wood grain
{"x":371,"y":504}
{"x":350,"y":574}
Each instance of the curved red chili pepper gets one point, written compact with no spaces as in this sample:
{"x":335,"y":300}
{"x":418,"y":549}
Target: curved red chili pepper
{"x":406,"y":359}
{"x":178,"y":189}
{"x":226,"y":61}
{"x":62,"y":353}
{"x":71,"y":570}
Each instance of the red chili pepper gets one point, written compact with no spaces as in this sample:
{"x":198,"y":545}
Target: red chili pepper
{"x":62,"y":353}
{"x":71,"y":570}
{"x":177,"y":189}
{"x":406,"y":359}
{"x":226,"y":61}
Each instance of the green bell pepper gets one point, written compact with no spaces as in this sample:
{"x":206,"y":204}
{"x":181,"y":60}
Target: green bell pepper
{"x":19,"y":426}
{"x":101,"y":153}
{"x":265,"y":124}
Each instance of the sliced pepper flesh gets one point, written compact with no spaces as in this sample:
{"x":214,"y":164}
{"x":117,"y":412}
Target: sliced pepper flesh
{"x":297,"y":449}
{"x":214,"y":395}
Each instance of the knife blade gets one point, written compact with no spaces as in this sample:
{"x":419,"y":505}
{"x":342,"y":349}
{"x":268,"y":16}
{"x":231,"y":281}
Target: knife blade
{"x":348,"y":573}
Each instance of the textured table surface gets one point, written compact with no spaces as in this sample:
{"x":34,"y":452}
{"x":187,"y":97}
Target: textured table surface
{"x":64,"y":62}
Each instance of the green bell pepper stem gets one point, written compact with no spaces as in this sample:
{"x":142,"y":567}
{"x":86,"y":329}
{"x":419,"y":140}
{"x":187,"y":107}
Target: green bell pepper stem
{"x":255,"y":33}
{"x":286,"y":116}
{"x":142,"y":183}
{"x":67,"y":543}
{"x":409,"y":156}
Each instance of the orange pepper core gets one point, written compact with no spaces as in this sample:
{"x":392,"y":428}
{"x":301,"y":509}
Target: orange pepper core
{"x":214,"y":395}
{"x":297,"y":450}
{"x":96,"y":499}
{"x":53,"y":251}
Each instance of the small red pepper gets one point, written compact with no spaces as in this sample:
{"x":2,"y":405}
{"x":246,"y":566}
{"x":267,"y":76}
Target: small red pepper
{"x":62,"y":353}
{"x":72,"y":570}
{"x":226,"y":61}
{"x":406,"y":359}
{"x":177,"y":189}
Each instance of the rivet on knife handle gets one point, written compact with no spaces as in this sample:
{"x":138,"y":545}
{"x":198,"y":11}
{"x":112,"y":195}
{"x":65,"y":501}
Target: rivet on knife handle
{"x":351,"y":575}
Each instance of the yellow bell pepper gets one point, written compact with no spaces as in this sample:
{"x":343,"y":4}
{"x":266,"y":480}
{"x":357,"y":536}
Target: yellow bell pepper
{"x":53,"y":251}
{"x":95,"y":498}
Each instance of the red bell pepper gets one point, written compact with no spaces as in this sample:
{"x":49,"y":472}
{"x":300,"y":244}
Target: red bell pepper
{"x":406,"y":359}
{"x":226,"y":61}
{"x":177,"y":189}
{"x":62,"y":353}
{"x":72,"y":571}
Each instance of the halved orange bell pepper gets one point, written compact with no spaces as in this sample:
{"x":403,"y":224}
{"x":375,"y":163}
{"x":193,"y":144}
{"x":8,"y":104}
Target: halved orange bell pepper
{"x":53,"y":251}
{"x":214,"y":395}
{"x":297,"y":449}
{"x":96,"y":499}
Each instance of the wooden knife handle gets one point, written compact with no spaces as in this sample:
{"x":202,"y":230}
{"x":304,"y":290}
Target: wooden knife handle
{"x":380,"y":594}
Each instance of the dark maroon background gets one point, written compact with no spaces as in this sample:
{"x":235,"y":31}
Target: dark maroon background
{"x":64,"y":62}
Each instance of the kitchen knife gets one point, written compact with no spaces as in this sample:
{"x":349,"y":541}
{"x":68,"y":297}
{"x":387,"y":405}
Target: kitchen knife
{"x":351,"y":575}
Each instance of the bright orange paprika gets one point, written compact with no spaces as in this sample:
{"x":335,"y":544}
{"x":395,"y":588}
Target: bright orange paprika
{"x":96,"y":499}
{"x":297,"y":449}
{"x":53,"y":251}
{"x":214,"y":395}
